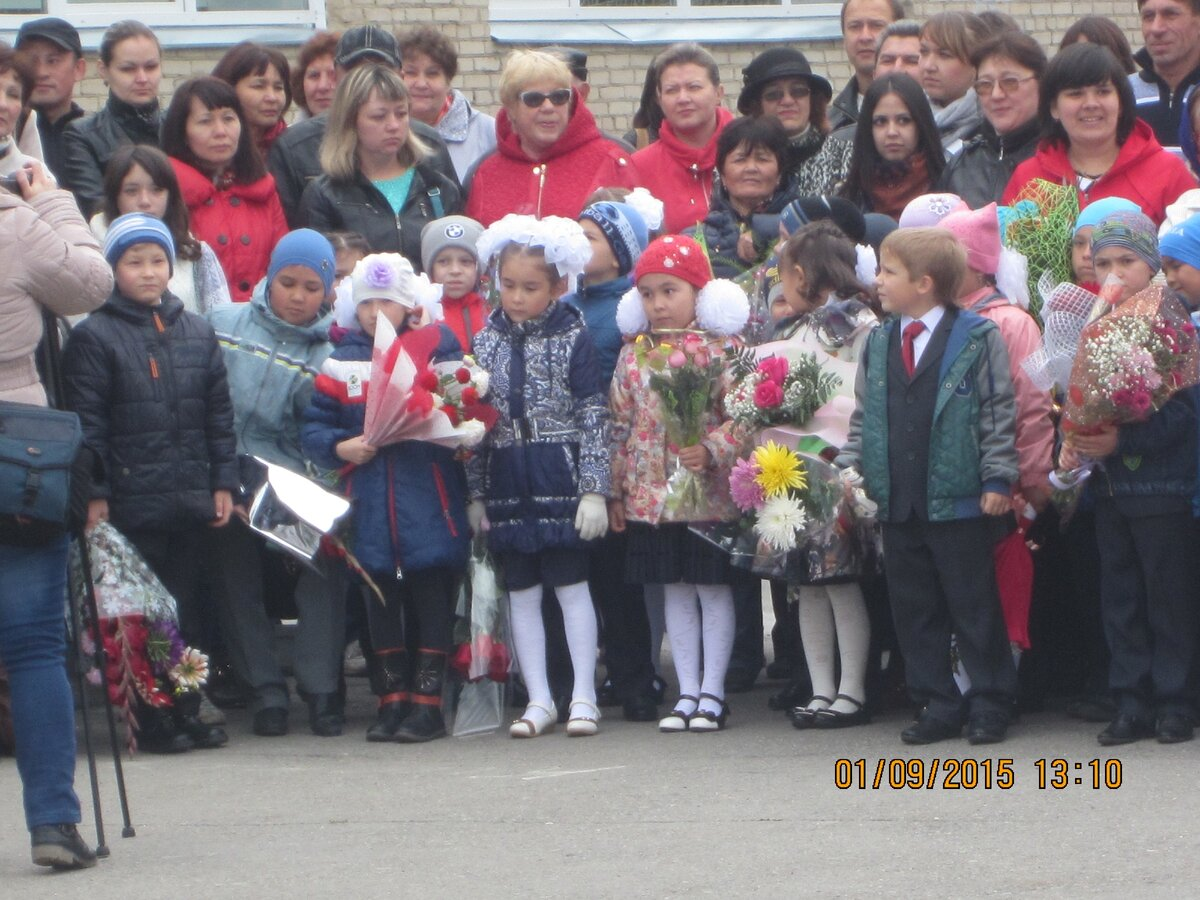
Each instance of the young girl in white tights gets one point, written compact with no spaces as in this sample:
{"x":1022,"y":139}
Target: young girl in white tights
{"x":676,"y":300}
{"x":540,"y":479}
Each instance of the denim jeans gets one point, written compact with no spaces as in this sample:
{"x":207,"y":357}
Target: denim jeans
{"x":33,"y":590}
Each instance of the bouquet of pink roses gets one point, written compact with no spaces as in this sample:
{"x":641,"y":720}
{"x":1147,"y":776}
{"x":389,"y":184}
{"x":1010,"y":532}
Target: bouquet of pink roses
{"x":685,"y":372}
{"x":1130,"y":361}
{"x":777,"y":390}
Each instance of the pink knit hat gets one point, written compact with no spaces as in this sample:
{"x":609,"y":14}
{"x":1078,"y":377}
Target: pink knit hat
{"x":979,"y":232}
{"x":929,"y":209}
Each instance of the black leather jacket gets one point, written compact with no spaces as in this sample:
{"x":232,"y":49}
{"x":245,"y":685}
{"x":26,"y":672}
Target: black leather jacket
{"x":357,"y":205}
{"x":89,"y":144}
{"x":295,"y":161}
{"x":981,"y":170}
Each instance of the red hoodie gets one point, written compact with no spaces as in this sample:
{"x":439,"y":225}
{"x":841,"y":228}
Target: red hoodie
{"x":465,"y":316}
{"x":242,"y":223}
{"x":680,"y":175}
{"x":579,"y":162}
{"x":1144,"y":173}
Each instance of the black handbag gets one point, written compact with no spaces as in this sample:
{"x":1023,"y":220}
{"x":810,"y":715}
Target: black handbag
{"x":43,"y":474}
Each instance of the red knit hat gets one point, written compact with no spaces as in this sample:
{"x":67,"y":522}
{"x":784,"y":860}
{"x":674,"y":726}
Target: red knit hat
{"x":675,"y":254}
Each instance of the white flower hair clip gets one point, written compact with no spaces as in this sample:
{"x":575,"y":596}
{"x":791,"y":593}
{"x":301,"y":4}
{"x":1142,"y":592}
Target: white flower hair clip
{"x":649,"y":207}
{"x":561,"y":241}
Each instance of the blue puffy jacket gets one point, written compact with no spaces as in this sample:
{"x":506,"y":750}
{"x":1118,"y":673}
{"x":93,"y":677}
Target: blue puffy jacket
{"x":598,"y":303}
{"x":410,"y":509}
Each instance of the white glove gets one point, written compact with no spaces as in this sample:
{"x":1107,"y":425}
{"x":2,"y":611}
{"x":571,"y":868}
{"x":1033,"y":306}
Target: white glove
{"x":477,"y":517}
{"x":851,"y":478}
{"x":591,"y":520}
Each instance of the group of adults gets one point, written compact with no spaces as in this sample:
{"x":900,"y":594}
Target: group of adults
{"x":381,"y":143}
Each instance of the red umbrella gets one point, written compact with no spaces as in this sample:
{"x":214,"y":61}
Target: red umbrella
{"x":1014,"y":579}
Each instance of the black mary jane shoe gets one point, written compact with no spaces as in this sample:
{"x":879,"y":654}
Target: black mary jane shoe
{"x":832,"y":718}
{"x":704,"y":720}
{"x":803,"y":717}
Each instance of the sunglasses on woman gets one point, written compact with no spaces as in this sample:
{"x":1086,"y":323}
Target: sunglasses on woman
{"x":795,"y":91}
{"x":1008,"y":84}
{"x":534,"y":99}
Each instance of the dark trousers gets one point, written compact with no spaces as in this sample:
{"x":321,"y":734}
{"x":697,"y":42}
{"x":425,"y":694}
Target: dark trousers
{"x":785,"y":633}
{"x":177,"y":558}
{"x":624,"y":625}
{"x":1148,"y":604}
{"x":419,"y":613}
{"x":748,"y":658}
{"x":941,"y":581}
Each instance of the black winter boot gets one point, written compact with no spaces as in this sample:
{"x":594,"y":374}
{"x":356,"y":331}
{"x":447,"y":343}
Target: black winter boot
{"x":187,"y":721}
{"x":156,"y":731}
{"x":389,"y":680}
{"x":425,"y":722}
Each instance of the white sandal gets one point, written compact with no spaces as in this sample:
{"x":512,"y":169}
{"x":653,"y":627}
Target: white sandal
{"x":536,"y":721}
{"x":583,"y":725}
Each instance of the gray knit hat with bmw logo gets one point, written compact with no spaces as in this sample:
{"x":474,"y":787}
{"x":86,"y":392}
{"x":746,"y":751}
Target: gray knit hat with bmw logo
{"x":451,"y":231}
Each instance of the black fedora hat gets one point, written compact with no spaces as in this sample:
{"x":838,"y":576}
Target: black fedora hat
{"x":778,"y":62}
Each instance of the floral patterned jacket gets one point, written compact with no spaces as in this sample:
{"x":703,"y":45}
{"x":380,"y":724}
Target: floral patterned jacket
{"x":641,"y":460}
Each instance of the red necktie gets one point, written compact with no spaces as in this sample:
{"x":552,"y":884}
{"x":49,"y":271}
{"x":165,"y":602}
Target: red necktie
{"x":911,"y":330}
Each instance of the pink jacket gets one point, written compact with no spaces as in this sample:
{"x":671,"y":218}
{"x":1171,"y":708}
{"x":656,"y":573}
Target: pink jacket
{"x":641,"y":462}
{"x":1035,"y":430}
{"x":49,"y":259}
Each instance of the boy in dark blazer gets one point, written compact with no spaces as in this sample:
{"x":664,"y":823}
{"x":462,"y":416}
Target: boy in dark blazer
{"x":932,"y":440}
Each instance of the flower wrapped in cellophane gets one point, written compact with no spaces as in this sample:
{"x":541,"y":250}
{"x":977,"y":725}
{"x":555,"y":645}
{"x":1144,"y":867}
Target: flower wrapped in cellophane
{"x":778,"y":390}
{"x":685,"y":373}
{"x":800,"y":521}
{"x":411,"y":398}
{"x":1130,"y":361}
{"x":482,"y":658}
{"x":1038,"y":225}
{"x":145,"y":657}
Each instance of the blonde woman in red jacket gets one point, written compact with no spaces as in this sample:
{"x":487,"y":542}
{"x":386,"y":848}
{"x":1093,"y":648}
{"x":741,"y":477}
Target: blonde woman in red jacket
{"x":1094,"y":139}
{"x":550,"y":155}
{"x":229,"y":194}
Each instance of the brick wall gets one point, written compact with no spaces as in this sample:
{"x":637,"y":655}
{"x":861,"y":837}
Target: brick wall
{"x":616,"y":71}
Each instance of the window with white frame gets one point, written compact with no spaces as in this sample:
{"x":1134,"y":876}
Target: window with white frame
{"x":178,"y":23}
{"x":663,"y":21}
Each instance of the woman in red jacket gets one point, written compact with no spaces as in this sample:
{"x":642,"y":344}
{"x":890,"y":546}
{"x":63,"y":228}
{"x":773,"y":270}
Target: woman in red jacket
{"x":1094,"y":139}
{"x":678,"y":167}
{"x":550,"y":154}
{"x":229,"y":195}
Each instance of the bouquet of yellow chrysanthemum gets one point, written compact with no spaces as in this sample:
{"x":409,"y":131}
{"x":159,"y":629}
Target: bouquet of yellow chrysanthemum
{"x":798,"y":522}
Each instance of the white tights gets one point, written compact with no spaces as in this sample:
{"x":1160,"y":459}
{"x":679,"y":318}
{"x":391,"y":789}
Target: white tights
{"x":529,"y":640}
{"x":701,"y":637}
{"x":835,"y":616}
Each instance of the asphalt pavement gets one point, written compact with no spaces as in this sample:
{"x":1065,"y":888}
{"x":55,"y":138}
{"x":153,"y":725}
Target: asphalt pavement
{"x":757,"y":810}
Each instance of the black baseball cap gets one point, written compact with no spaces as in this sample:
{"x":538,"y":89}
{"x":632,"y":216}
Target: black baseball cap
{"x":363,"y":41}
{"x":56,"y":31}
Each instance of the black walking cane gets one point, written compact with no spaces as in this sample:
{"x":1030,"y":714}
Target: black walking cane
{"x":84,"y":612}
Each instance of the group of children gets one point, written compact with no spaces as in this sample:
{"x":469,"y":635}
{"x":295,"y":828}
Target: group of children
{"x":948,"y":438}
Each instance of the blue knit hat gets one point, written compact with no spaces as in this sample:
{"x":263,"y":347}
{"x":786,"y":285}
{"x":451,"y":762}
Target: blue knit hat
{"x":1100,"y":209}
{"x":137,"y":228}
{"x":1183,"y":242}
{"x":625,"y":229}
{"x":308,"y":248}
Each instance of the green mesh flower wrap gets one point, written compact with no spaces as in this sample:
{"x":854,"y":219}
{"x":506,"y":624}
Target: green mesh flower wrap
{"x":1039,"y":225}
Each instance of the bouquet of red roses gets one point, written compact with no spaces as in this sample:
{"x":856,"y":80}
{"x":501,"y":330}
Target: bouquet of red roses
{"x":410,"y":398}
{"x":778,"y":390}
